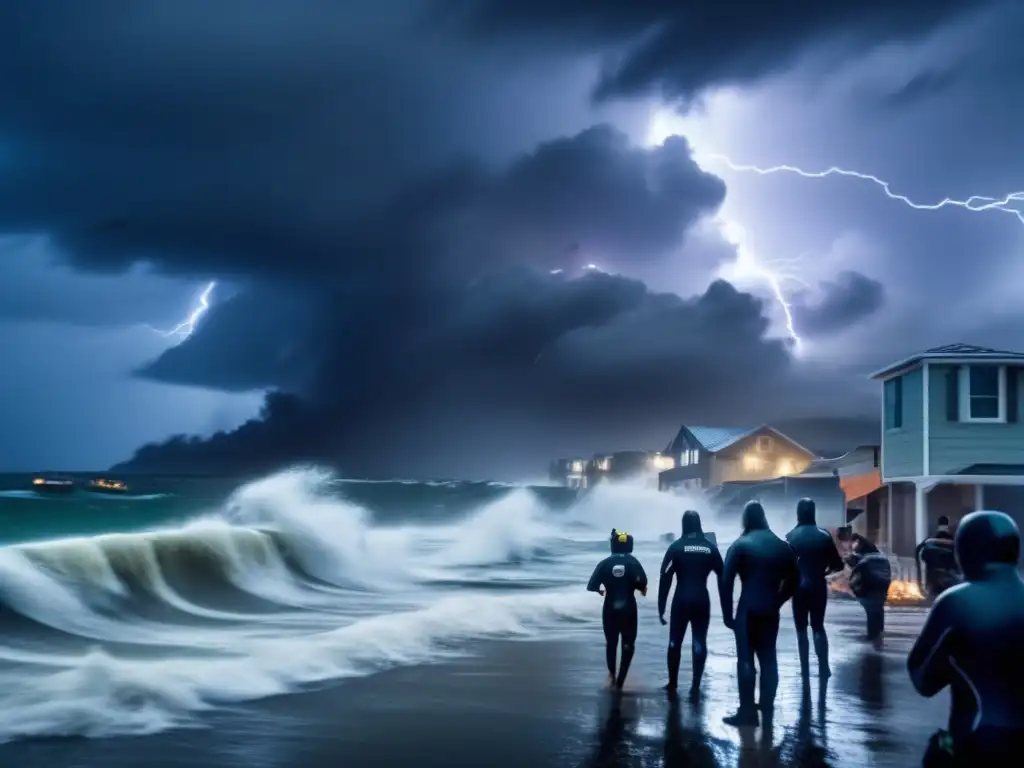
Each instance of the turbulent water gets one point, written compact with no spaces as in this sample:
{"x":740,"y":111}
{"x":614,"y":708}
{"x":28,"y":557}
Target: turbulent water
{"x":127,"y":616}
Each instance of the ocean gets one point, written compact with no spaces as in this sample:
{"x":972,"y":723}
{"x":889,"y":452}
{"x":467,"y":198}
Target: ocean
{"x":202,"y":613}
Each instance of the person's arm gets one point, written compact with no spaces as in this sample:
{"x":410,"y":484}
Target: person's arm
{"x":665,"y":581}
{"x":833,"y":558}
{"x":594,"y":585}
{"x":729,"y":571}
{"x":790,"y":578}
{"x":641,"y":578}
{"x":928,"y":662}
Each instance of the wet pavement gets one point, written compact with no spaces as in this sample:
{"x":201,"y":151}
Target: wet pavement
{"x":866,"y":714}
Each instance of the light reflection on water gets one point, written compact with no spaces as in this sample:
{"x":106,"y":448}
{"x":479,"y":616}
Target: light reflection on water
{"x":866,"y":714}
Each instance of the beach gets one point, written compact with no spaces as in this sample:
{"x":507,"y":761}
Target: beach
{"x":540,"y":703}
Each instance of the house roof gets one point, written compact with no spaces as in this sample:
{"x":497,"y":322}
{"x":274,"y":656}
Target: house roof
{"x":954,"y":353}
{"x":715,"y":439}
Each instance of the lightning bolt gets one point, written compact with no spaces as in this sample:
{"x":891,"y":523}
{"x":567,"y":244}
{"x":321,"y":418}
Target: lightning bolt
{"x":772,"y":273}
{"x":974,"y":203}
{"x":187,"y":327}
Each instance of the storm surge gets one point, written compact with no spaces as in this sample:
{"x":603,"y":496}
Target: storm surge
{"x":293,"y":580}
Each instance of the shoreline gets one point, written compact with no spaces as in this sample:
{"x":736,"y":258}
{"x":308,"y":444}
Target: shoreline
{"x":540,"y":703}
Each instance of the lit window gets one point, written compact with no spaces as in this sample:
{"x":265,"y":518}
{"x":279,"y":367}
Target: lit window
{"x":983,"y":393}
{"x":684,"y":459}
{"x":785,"y":467}
{"x":764,"y":444}
{"x":695,"y":456}
{"x":752,"y":463}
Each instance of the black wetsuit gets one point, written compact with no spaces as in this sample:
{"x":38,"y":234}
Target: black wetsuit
{"x":691,"y":560}
{"x":767,"y":570}
{"x":941,"y":570}
{"x":817,"y":557}
{"x":621,"y":575}
{"x":972,"y":642}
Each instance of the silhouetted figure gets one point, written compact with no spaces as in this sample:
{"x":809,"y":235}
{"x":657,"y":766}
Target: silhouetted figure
{"x":870,"y":578}
{"x":936,"y":552}
{"x":618,"y":577}
{"x":973,"y":641}
{"x":768,"y":573}
{"x":691,"y":559}
{"x":816,"y":557}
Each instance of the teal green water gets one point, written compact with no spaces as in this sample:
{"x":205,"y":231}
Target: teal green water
{"x":162,"y":502}
{"x":26,"y":516}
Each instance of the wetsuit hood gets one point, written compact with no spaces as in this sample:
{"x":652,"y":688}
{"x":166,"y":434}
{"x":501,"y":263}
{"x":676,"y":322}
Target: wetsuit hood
{"x":621,"y":542}
{"x":691,"y":523}
{"x":754,"y":518}
{"x":985,"y":539}
{"x":805,"y":512}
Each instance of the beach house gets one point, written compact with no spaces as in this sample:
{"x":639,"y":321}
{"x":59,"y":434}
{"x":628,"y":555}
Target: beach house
{"x":952,"y":439}
{"x":711,"y":456}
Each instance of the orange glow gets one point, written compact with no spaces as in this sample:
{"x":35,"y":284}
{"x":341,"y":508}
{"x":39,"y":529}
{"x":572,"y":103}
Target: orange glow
{"x":855,"y":486}
{"x":900,"y":592}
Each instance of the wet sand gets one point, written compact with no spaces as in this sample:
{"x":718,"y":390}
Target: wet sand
{"x":541,"y":704}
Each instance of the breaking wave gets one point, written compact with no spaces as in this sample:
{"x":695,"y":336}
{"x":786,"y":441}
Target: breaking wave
{"x":288,"y":583}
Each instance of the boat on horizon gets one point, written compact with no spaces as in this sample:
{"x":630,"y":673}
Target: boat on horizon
{"x":107,"y":485}
{"x":55,"y":484}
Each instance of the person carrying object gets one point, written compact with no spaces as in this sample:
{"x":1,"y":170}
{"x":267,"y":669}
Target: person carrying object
{"x":941,"y":569}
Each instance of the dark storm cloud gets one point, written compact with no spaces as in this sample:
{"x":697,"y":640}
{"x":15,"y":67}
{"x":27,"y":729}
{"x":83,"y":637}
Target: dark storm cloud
{"x":681,"y":47}
{"x":527,"y":356}
{"x":845,"y":300}
{"x":390,"y":204}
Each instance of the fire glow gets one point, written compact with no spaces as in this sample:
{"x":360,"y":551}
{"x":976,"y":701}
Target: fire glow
{"x":901,"y":592}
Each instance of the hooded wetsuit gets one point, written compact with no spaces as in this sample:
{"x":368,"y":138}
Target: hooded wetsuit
{"x":972,"y":642}
{"x":691,"y":560}
{"x":941,"y":570}
{"x":622,"y":576}
{"x":767,"y":569}
{"x":816,"y":557}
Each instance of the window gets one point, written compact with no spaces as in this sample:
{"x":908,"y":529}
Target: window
{"x":684,"y":459}
{"x":894,"y":403}
{"x":983,"y":393}
{"x":764,"y":444}
{"x":694,"y":456}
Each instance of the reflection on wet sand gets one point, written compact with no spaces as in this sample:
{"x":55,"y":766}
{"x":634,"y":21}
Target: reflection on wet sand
{"x":623,"y":742}
{"x":866,"y":714}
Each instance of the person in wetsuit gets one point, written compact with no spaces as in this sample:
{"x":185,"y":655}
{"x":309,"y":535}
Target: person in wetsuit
{"x":816,"y":558}
{"x":618,"y":577}
{"x":870,"y":577}
{"x":691,"y":559}
{"x":972,"y":642}
{"x":767,"y":568}
{"x":936,"y":552}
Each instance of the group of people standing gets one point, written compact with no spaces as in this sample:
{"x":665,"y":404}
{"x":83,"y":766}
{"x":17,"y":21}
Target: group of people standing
{"x":972,"y":640}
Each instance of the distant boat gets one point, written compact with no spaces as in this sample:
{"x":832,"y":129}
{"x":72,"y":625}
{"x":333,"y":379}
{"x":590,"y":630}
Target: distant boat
{"x":52,"y":484}
{"x":106,"y":485}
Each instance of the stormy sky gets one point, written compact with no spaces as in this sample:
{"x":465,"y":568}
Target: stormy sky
{"x":461,"y":237}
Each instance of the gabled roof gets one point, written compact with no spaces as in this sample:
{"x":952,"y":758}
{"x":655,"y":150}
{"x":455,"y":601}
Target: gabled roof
{"x":715,"y":439}
{"x":953,"y":353}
